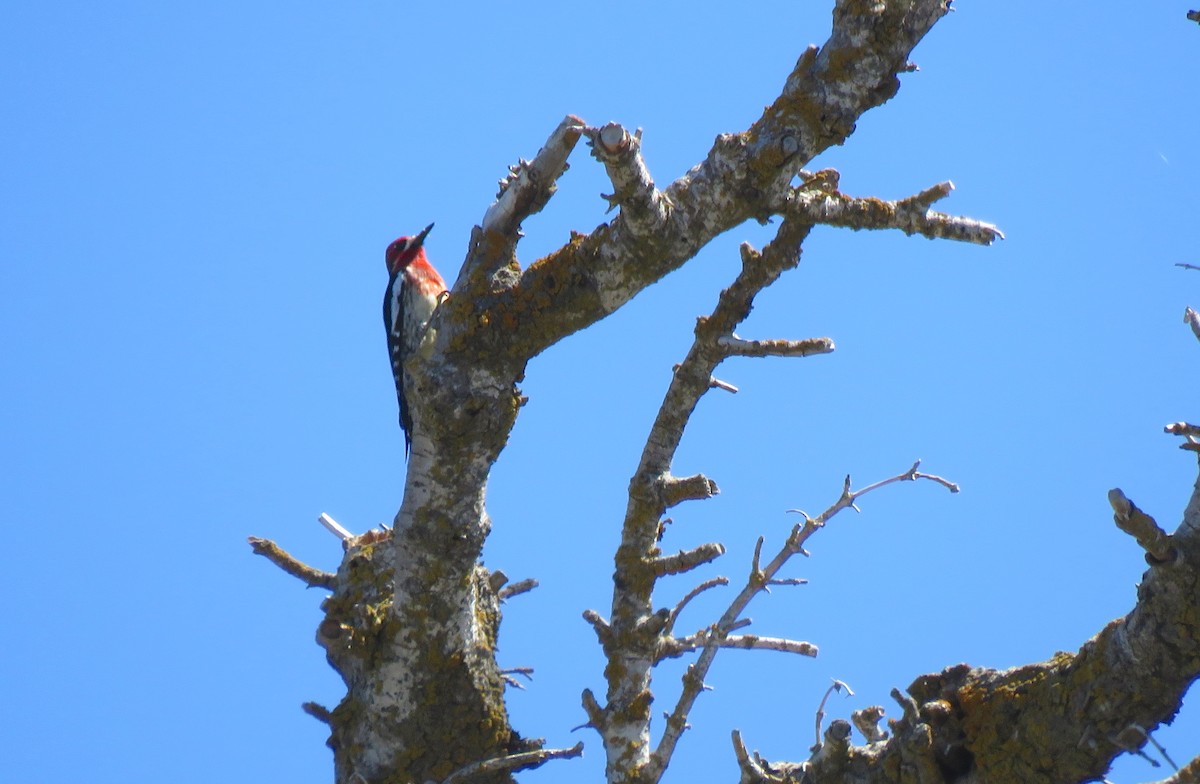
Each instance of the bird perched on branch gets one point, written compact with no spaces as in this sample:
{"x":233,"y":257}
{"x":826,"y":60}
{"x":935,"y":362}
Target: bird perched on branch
{"x":413,"y":292}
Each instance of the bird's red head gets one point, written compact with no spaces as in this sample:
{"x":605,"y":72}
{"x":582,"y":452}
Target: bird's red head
{"x":405,"y":250}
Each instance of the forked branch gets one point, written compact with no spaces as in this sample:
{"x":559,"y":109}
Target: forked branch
{"x":761,"y":576}
{"x":817,"y":203}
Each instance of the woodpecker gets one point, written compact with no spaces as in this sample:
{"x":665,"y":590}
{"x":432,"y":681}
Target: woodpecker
{"x":413,"y":292}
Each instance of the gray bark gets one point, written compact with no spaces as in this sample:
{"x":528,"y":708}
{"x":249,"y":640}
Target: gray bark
{"x":412,"y":620}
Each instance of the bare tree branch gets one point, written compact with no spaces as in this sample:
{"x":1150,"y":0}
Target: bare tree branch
{"x":524,"y":672}
{"x":530,"y":184}
{"x":1092,"y":705}
{"x":423,"y":590}
{"x":686,"y":560}
{"x":911,"y":215}
{"x":517,"y":588}
{"x":752,"y":771}
{"x":674,"y":647}
{"x":835,"y":686}
{"x":737,"y":347}
{"x":512,"y":763}
{"x":632,"y":595}
{"x":318,"y":712}
{"x":760,"y":578}
{"x":692,"y":594}
{"x":867,"y":721}
{"x":380,"y":621}
{"x":313,"y":578}
{"x":1133,"y":521}
{"x":744,"y":175}
{"x":1190,"y":433}
{"x":642,"y":205}
{"x":1182,"y":429}
{"x":677,"y":489}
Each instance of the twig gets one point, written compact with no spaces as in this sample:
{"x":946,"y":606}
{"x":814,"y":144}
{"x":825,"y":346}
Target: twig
{"x":1132,"y":738}
{"x":848,"y":498}
{"x":716,"y":383}
{"x":507,"y":673}
{"x":627,"y":709}
{"x":760,"y":578}
{"x":675,"y":647}
{"x":692,"y":594}
{"x":756,"y":573}
{"x":312,"y":577}
{"x":1161,"y":750}
{"x":517,"y":588}
{"x":512,"y":763}
{"x":835,"y":686}
{"x":318,"y":712}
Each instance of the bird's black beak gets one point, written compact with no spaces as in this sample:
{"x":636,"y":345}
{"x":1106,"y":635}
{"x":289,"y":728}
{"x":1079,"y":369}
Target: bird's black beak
{"x":421,"y":237}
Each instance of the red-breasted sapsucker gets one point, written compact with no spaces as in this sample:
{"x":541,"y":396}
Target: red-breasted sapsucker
{"x":414,"y":290}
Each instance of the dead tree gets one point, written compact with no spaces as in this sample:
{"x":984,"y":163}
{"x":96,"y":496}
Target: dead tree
{"x":412,"y":618}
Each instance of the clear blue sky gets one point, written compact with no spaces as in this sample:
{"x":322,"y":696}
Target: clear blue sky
{"x":196,"y":199}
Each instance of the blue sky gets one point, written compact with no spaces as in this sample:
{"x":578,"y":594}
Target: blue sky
{"x":196,"y":202}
